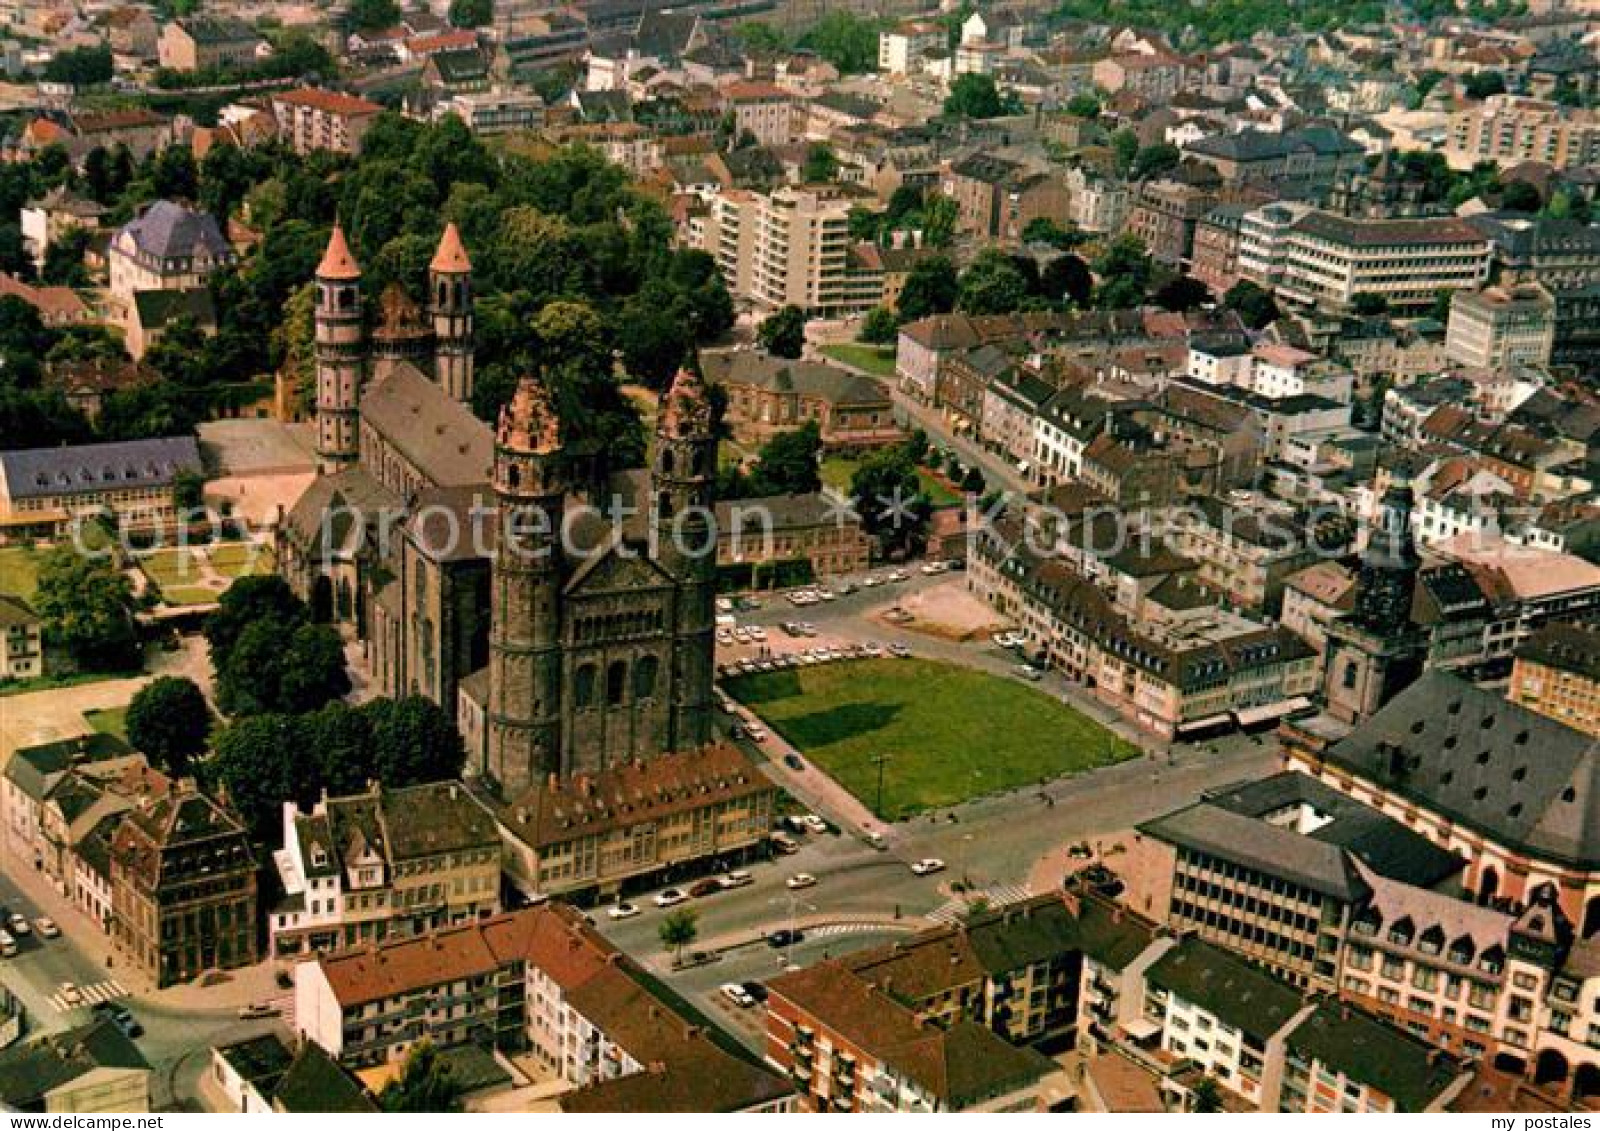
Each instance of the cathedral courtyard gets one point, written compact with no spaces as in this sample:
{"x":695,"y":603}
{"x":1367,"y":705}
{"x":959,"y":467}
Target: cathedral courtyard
{"x":943,"y":734}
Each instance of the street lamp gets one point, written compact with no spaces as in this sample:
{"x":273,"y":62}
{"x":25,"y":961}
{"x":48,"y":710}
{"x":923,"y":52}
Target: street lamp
{"x":788,"y":944}
{"x":881,"y":760}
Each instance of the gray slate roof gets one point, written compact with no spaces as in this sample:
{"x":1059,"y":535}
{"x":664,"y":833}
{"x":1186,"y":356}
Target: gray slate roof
{"x":1524,"y":780}
{"x":170,"y":231}
{"x":123,"y":465}
{"x":807,"y":378}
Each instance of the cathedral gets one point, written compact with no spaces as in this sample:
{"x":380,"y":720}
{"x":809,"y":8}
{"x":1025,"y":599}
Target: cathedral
{"x":463,"y":556}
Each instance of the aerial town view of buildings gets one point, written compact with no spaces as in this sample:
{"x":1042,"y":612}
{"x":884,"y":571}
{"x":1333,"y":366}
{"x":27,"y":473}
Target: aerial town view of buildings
{"x":768,"y":556}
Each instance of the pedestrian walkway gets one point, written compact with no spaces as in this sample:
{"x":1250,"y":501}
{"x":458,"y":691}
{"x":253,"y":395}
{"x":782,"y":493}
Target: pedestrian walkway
{"x":109,"y":990}
{"x":958,"y":907}
{"x":844,"y":929}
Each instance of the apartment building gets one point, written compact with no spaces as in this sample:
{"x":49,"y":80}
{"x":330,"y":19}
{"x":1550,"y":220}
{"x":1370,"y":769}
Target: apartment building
{"x":1510,"y":129}
{"x":383,"y":862}
{"x":1165,"y":216}
{"x":21,"y":640}
{"x":761,"y":109}
{"x":904,"y":48}
{"x":539,"y":981}
{"x":1319,"y":260}
{"x":793,"y":247}
{"x":1557,"y":674}
{"x":996,"y":199}
{"x":1501,"y":327}
{"x":183,"y":886}
{"x":1246,"y":554}
{"x":203,"y":43}
{"x":1273,"y":869}
{"x":310,"y":119}
{"x":806,"y":535}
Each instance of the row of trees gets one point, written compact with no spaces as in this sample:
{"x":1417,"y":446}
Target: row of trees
{"x":268,"y":654}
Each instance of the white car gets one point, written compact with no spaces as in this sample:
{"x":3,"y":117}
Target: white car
{"x":826,"y":595}
{"x":815,"y":823}
{"x":928,"y":866}
{"x":736,"y":879}
{"x":19,"y":924}
{"x":671,"y":897}
{"x":742,"y":635}
{"x":933,"y":568}
{"x":623,"y":910}
{"x":1029,"y":673}
{"x":46,"y":927}
{"x":737,"y":994}
{"x":756,"y":734}
{"x":872,"y":581}
{"x":899,"y":575}
{"x":800,"y":881}
{"x":757,"y":633}
{"x":69,"y":994}
{"x":724,"y":605}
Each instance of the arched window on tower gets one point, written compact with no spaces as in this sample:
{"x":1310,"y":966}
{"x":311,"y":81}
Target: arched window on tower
{"x":583,"y":686}
{"x":616,"y":682}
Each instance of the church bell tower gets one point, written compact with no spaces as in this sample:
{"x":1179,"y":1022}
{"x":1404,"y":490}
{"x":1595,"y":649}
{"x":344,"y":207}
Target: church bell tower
{"x":524,"y":716}
{"x":450,"y":305}
{"x":340,"y":350}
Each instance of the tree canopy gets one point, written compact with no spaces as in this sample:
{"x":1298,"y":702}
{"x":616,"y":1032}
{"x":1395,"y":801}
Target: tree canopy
{"x":783,"y":333}
{"x":169,"y":721}
{"x":86,"y":604}
{"x":973,"y":95}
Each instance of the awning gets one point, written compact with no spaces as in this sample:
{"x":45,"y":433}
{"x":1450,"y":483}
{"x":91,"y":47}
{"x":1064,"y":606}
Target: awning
{"x":1141,"y":1028}
{"x":1206,"y":723}
{"x":1269,"y":711}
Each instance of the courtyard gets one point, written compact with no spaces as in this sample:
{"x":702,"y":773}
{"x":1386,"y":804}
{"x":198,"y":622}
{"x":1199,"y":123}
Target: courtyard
{"x":944,"y":734}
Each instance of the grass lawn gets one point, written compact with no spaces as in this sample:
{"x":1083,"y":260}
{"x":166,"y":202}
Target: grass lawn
{"x":19,"y":571}
{"x":172,"y":567}
{"x":237,"y":559}
{"x":877,"y":360}
{"x":837,"y":470}
{"x":112,"y":720}
{"x":950,"y":733}
{"x":189,"y":595}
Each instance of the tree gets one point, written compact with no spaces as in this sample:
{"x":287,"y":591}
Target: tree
{"x":976,"y":96}
{"x":846,"y":40}
{"x":1369,"y":304}
{"x":878,"y":327}
{"x":247,"y":600}
{"x":1482,"y":84}
{"x":1124,"y":272}
{"x":973,"y":481}
{"x":262,"y":761}
{"x":81,"y":66}
{"x":821,"y":165}
{"x":1182,"y":293}
{"x":169,"y":721}
{"x":413,"y":741}
{"x":471,"y":13}
{"x":282,"y":667}
{"x":425,"y":1084}
{"x":372,"y":15}
{"x":1124,"y":148}
{"x":783,"y":334}
{"x":188,"y":490}
{"x":992,"y":285}
{"x":1520,"y":196}
{"x":888,"y":496}
{"x":1153,"y":160}
{"x":1207,"y":1096}
{"x":679,"y":929}
{"x":86,"y":605}
{"x":788,"y":464}
{"x":1067,"y":279}
{"x":939,"y":216}
{"x":931,"y":287}
{"x":1084,"y":106}
{"x":1253,"y":303}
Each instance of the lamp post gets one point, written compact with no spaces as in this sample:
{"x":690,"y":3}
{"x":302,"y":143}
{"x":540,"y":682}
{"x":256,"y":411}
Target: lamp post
{"x":881,"y":760}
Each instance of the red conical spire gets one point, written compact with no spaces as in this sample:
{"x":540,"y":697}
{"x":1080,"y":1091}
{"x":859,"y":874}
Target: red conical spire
{"x":337,"y":262}
{"x":528,"y":422}
{"x":450,"y":258}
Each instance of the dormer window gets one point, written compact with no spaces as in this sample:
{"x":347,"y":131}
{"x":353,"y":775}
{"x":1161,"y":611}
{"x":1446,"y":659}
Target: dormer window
{"x":319,"y":856}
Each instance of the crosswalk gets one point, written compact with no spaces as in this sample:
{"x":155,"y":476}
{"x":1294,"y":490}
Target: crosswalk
{"x":284,"y":1004}
{"x":108,"y":990}
{"x":842,"y":929}
{"x":956,"y":908}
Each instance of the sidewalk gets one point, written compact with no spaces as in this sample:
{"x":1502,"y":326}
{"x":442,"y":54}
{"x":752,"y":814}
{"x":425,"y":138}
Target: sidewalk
{"x":751,"y":936}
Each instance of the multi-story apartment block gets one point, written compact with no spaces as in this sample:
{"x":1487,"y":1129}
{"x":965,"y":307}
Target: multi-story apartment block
{"x":1165,"y":216}
{"x":202,"y":43}
{"x":1320,"y":260}
{"x":1557,"y":674}
{"x":997,"y":198}
{"x":492,"y":112}
{"x":792,"y":247}
{"x":538,"y":981}
{"x":1509,"y":130}
{"x":903,"y":49}
{"x":1097,"y":204}
{"x":765,"y":111}
{"x":310,"y":119}
{"x":1501,"y":327}
{"x":1247,"y":555}
{"x":183,"y":886}
{"x":387,"y":861}
{"x":21,"y":640}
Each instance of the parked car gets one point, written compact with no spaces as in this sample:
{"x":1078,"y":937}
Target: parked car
{"x":69,"y":994}
{"x":899,"y":575}
{"x":928,"y":866}
{"x":755,"y":733}
{"x":1029,"y":673}
{"x":8,"y":945}
{"x":800,"y":881}
{"x":784,"y":937}
{"x":784,"y":844}
{"x":120,"y":1016}
{"x":793,"y":762}
{"x":814,"y":823}
{"x":737,"y":994}
{"x":18,"y":923}
{"x":756,"y":990}
{"x":876,"y":841}
{"x":933,"y":569}
{"x":900,"y":651}
{"x":257,"y":1010}
{"x":46,"y":927}
{"x":622,"y":911}
{"x":703,"y":888}
{"x":670,"y":897}
{"x":736,"y":879}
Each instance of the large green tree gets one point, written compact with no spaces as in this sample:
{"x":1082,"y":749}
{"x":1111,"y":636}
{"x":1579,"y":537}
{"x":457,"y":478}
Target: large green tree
{"x":992,"y":285}
{"x":169,"y":721}
{"x":976,"y":96}
{"x":931,"y":287}
{"x":413,"y":741}
{"x":425,"y":1084}
{"x":86,"y":604}
{"x":887,"y":493}
{"x":783,"y":333}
